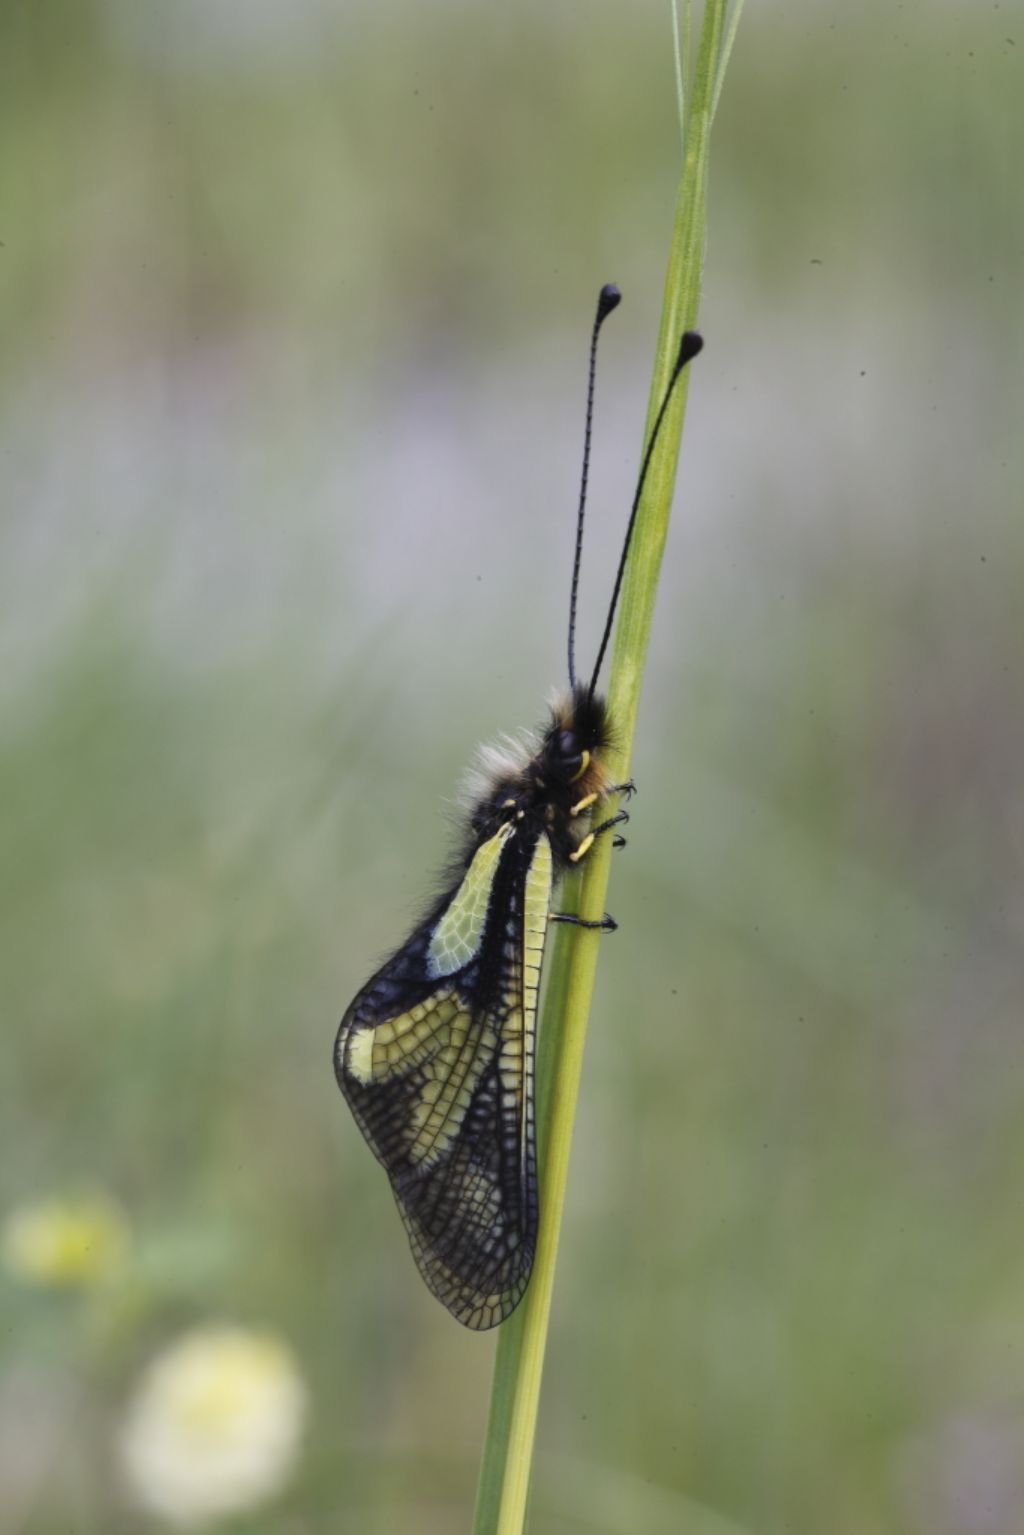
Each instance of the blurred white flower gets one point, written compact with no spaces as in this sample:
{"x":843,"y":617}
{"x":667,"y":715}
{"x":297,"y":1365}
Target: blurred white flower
{"x":80,"y":1240}
{"x":214,"y":1426}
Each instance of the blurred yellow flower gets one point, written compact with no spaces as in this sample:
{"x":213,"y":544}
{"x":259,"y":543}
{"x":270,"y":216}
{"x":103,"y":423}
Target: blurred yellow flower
{"x":65,"y":1242}
{"x":214,"y":1426}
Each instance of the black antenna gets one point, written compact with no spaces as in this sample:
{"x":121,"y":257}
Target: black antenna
{"x":608,"y":299}
{"x":689,"y":346}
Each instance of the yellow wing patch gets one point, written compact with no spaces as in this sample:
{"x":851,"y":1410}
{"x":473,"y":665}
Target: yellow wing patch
{"x":378,"y":1051}
{"x":458,"y":934}
{"x":451,"y":1077}
{"x":518,"y":1028}
{"x":537,"y":909}
{"x":440,"y":1037}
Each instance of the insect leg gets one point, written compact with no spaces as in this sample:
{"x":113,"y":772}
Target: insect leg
{"x":618,"y":819}
{"x":588,"y":841}
{"x":606,"y":924}
{"x":628,"y":788}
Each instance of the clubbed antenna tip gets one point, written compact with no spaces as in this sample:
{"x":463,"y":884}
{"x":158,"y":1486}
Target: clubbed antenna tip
{"x":608,"y":299}
{"x":691,"y":344}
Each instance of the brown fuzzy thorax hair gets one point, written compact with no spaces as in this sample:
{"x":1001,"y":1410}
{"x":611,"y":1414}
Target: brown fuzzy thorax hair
{"x":541,"y":786}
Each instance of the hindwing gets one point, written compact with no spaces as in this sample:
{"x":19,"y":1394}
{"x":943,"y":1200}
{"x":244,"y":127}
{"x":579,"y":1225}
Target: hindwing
{"x":435,"y":1058}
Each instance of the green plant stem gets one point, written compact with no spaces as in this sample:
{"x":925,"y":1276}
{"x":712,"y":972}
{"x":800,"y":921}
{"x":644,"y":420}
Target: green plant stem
{"x":508,"y":1447}
{"x":681,"y":59}
{"x":726,"y":53}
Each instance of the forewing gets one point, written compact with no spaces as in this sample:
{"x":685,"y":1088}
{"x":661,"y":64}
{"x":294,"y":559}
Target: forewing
{"x":438,"y":1071}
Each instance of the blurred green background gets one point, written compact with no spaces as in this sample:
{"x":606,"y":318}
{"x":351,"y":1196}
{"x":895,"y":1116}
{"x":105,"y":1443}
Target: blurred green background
{"x":295,"y":305}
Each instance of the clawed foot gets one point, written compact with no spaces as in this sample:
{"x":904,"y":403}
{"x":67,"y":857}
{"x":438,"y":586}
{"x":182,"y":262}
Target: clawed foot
{"x":618,"y":819}
{"x":606,"y":924}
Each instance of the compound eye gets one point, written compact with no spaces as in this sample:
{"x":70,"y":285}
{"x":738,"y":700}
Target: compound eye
{"x":567,"y":745}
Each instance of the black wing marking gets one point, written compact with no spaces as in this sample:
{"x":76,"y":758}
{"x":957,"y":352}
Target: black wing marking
{"x":438,"y":1072}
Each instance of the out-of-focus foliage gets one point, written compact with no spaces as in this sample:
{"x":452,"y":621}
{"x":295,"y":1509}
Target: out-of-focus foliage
{"x":295,"y":299}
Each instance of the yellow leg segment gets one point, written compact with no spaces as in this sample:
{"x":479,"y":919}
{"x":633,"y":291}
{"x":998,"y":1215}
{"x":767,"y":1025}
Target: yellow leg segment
{"x":584,"y":764}
{"x":584,"y":804}
{"x":583,"y":849}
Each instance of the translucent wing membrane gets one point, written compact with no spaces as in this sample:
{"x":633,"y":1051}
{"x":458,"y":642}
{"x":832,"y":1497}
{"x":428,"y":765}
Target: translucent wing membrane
{"x":435,"y":1057}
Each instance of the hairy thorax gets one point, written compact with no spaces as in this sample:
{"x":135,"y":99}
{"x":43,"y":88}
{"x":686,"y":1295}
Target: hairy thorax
{"x":552,"y":787}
